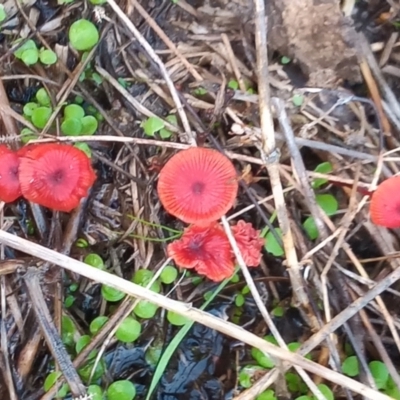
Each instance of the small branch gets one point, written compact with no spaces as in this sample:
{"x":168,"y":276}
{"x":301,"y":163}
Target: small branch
{"x":50,"y":333}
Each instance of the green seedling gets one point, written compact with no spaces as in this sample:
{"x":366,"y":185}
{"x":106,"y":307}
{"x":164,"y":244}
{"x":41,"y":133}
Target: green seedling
{"x":154,"y":125}
{"x":249,"y":374}
{"x":232,"y":84}
{"x":3,"y":14}
{"x":94,"y":260}
{"x":129,"y":330}
{"x":97,"y":324}
{"x":83,"y":35}
{"x":200,"y":91}
{"x":29,"y":54}
{"x":298,"y":100}
{"x":329,"y":205}
{"x":47,"y":57}
{"x":51,"y":380}
{"x":323,"y":168}
{"x":168,"y":274}
{"x":176,"y":319}
{"x":272,"y":245}
{"x":95,"y":392}
{"x":110,"y":294}
{"x":267,"y":395}
{"x":121,"y":390}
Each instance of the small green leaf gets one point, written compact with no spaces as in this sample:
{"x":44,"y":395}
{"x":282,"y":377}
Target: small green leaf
{"x":83,"y":35}
{"x":110,"y":294}
{"x":145,"y":309}
{"x":94,"y":260}
{"x":30,"y":56}
{"x":152,"y":125}
{"x":350,"y":366}
{"x":262,"y":359}
{"x":172,"y":119}
{"x":82,"y":342}
{"x":74,"y":111}
{"x":40,"y":116}
{"x":28,"y":45}
{"x":200,"y":91}
{"x":267,"y":395}
{"x":176,"y":319}
{"x":285,"y":60}
{"x":248,"y":374}
{"x":85,"y":148}
{"x":89,"y":125}
{"x":43,"y":97}
{"x":82,"y":243}
{"x":129,"y":330}
{"x":298,"y":100}
{"x":71,"y":127}
{"x":311,"y":228}
{"x":69,"y":301}
{"x":165,"y":133}
{"x":326,"y":391}
{"x":234,"y":85}
{"x":328,"y":203}
{"x":278,"y":312}
{"x":86,"y":371}
{"x":97,"y":324}
{"x":380,"y":373}
{"x":97,"y":78}
{"x":95,"y":392}
{"x":168,"y":274}
{"x":239,"y":300}
{"x":47,"y":57}
{"x":323,"y":168}
{"x":28,"y":108}
{"x":271,"y":244}
{"x":68,"y":331}
{"x":3,"y":15}
{"x":51,"y":380}
{"x":121,"y":390}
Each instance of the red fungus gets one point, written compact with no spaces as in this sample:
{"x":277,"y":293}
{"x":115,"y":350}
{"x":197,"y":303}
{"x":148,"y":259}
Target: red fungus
{"x":198,"y":185}
{"x":385,"y":203}
{"x":249,"y":242}
{"x":56,"y":176}
{"x":10,"y":189}
{"x":206,"y":249}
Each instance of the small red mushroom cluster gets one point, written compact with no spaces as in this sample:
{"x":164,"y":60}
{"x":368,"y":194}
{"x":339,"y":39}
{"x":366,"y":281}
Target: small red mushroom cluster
{"x":199,"y":186}
{"x":385,"y":203}
{"x":53,"y":175}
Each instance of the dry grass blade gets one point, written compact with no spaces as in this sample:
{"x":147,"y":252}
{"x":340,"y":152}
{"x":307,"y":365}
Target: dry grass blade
{"x":209,"y":320}
{"x":49,"y":331}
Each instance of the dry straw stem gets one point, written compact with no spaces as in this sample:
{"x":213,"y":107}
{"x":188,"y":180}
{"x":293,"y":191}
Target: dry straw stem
{"x":188,"y":137}
{"x":261,"y":306}
{"x":268,"y":147}
{"x":211,"y":321}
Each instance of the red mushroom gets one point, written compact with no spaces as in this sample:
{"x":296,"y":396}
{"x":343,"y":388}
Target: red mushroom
{"x":198,"y":185}
{"x":385,"y":203}
{"x":206,"y":249}
{"x":56,"y":176}
{"x":10,"y":189}
{"x":249,"y":242}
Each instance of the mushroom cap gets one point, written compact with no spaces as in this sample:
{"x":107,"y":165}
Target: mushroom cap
{"x":249,"y":242}
{"x":198,"y":185}
{"x":206,"y":249}
{"x":10,"y":188}
{"x":54,"y":175}
{"x":385,"y":203}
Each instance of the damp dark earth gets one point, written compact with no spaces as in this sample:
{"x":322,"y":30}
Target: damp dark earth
{"x":199,"y":199}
